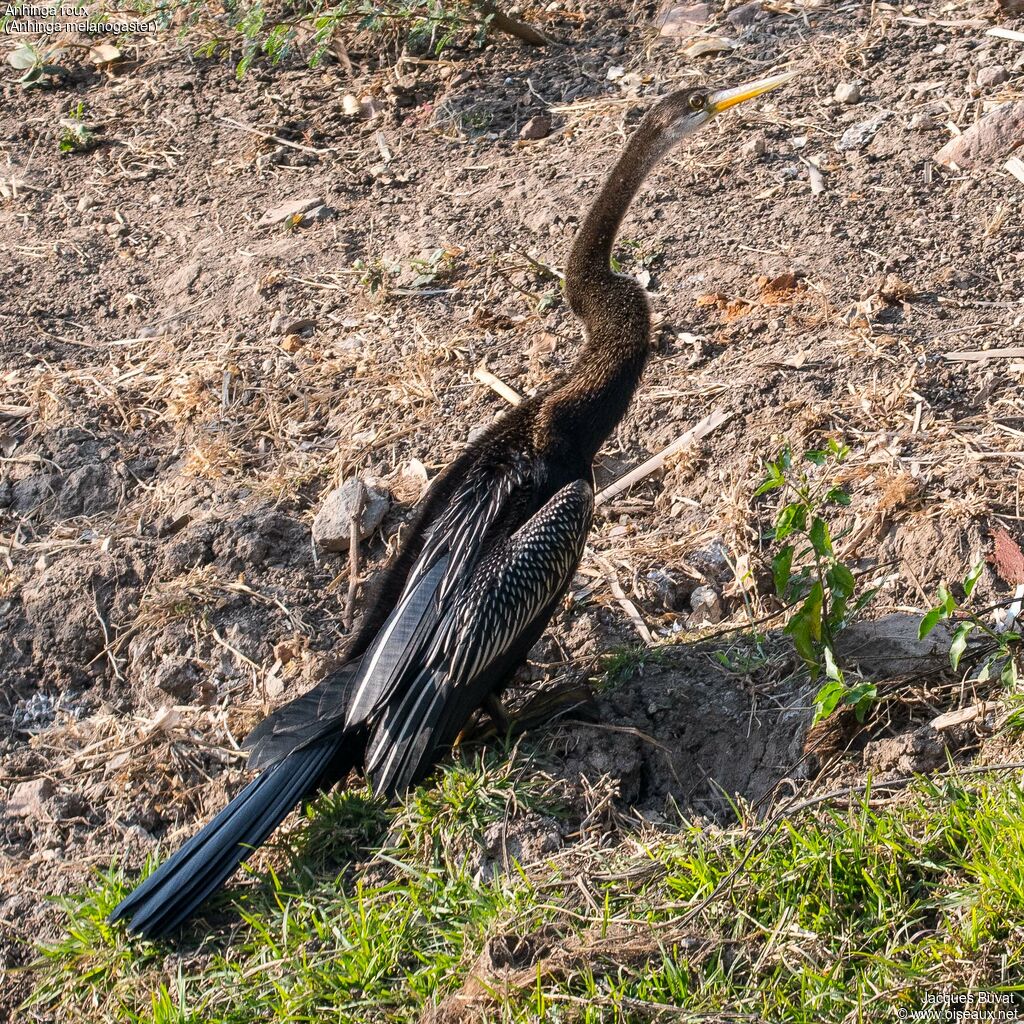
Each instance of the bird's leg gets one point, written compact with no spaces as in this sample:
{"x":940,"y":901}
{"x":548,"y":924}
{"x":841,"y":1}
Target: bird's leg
{"x":493,"y":706}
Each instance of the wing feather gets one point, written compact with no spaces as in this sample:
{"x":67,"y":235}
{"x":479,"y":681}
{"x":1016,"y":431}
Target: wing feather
{"x":513,"y":590}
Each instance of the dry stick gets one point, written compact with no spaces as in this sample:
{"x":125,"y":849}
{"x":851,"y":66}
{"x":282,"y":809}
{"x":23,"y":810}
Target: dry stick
{"x":981,"y":354}
{"x":272,"y":138}
{"x":657,"y":462}
{"x":497,"y":385}
{"x":503,"y":23}
{"x":353,"y":557}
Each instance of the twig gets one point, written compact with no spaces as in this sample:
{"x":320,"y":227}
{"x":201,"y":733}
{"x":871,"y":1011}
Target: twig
{"x":496,"y":384}
{"x":503,"y":23}
{"x":624,"y":602}
{"x":981,"y":354}
{"x":657,"y":462}
{"x":353,"y":556}
{"x":272,"y":138}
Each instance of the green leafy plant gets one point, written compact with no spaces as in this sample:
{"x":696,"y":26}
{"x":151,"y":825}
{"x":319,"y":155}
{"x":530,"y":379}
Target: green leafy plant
{"x":34,"y":64}
{"x":77,"y":136}
{"x":265,"y":30}
{"x":992,"y":654}
{"x":809,"y":576}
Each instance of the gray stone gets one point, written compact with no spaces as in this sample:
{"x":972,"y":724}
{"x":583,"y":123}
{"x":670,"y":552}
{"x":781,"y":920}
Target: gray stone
{"x":745,"y":14}
{"x":848,"y":92}
{"x":538,"y":127}
{"x":318,"y":215}
{"x":333,"y":523}
{"x":706,"y":604}
{"x":859,"y":135}
{"x":29,"y":798}
{"x":282,"y":213}
{"x":991,"y":76}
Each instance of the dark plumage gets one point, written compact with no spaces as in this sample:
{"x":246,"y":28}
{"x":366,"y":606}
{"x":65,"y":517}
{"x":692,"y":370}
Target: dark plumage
{"x":489,"y":556}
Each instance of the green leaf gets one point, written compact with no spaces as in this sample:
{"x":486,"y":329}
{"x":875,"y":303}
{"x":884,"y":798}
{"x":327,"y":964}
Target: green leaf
{"x":841,"y":581}
{"x":931,"y":620}
{"x":838,"y":496}
{"x":812,"y":609}
{"x":959,"y":644}
{"x":770,"y":484}
{"x":946,"y":599}
{"x":832,"y":670}
{"x":972,"y":578}
{"x":821,"y":538}
{"x":792,"y":517}
{"x":861,"y":696}
{"x":785,"y":460}
{"x":816,"y":456}
{"x":23,"y":58}
{"x":782,"y":565}
{"x":827,"y":699}
{"x":1008,"y":677}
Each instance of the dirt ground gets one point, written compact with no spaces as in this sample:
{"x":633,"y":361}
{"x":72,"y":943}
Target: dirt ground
{"x":180,"y":386}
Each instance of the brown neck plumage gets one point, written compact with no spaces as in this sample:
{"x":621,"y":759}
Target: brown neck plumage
{"x":613,"y":308}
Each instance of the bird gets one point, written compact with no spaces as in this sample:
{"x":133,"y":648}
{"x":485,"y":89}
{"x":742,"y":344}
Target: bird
{"x":489,"y":557}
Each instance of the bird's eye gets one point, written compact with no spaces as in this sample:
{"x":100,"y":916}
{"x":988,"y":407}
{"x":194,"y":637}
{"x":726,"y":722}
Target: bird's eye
{"x":698,"y":101}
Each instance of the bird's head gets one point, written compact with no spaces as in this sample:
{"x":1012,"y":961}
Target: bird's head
{"x":681,"y":113}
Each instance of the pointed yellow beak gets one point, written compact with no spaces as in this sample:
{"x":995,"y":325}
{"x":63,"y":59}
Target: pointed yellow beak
{"x":726,"y":98}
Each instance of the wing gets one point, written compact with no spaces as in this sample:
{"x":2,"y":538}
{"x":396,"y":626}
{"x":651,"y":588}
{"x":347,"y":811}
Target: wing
{"x":485,"y":504}
{"x":496,"y":615}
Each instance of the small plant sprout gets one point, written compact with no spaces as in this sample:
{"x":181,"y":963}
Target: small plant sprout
{"x":77,"y":136}
{"x":993,"y":653}
{"x":809,"y":576}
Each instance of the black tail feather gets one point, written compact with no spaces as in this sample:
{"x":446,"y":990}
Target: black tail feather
{"x":206,"y":861}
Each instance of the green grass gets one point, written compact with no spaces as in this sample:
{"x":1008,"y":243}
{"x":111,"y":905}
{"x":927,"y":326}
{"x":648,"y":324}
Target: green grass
{"x":836,"y":915}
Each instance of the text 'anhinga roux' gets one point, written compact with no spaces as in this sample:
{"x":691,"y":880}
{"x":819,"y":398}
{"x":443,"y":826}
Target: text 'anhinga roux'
{"x":490,"y":555}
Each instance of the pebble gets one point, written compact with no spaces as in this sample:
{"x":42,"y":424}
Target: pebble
{"x":848,"y":92}
{"x":538,"y":127}
{"x":745,"y":14}
{"x":857,"y":136}
{"x":333,"y":523}
{"x":706,"y":604}
{"x":28,"y":798}
{"x":86,"y":203}
{"x":279,"y":214}
{"x":753,"y":148}
{"x":991,"y":76}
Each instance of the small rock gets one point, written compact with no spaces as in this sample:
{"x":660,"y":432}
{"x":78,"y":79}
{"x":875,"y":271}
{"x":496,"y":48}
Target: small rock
{"x":538,"y":127}
{"x":745,"y":14}
{"x":753,"y":148}
{"x":284,"y":212}
{"x":683,"y":22}
{"x":333,"y":523}
{"x":848,"y":92}
{"x":317,"y":215}
{"x":987,"y":140}
{"x":921,"y":121}
{"x":28,"y":798}
{"x":282,"y":324}
{"x":350,"y":106}
{"x":988,"y":77}
{"x":86,"y":203}
{"x":706,"y":604}
{"x":919,"y":751}
{"x":859,"y":135}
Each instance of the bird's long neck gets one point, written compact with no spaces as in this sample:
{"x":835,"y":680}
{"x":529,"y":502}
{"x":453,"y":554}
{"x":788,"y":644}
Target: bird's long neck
{"x":613,"y":308}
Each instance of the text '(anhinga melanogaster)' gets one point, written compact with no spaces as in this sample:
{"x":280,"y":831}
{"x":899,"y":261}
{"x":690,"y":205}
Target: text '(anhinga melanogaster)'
{"x":488,"y":559}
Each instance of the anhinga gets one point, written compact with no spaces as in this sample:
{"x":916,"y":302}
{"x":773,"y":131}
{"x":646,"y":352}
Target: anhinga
{"x":490,"y":555}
